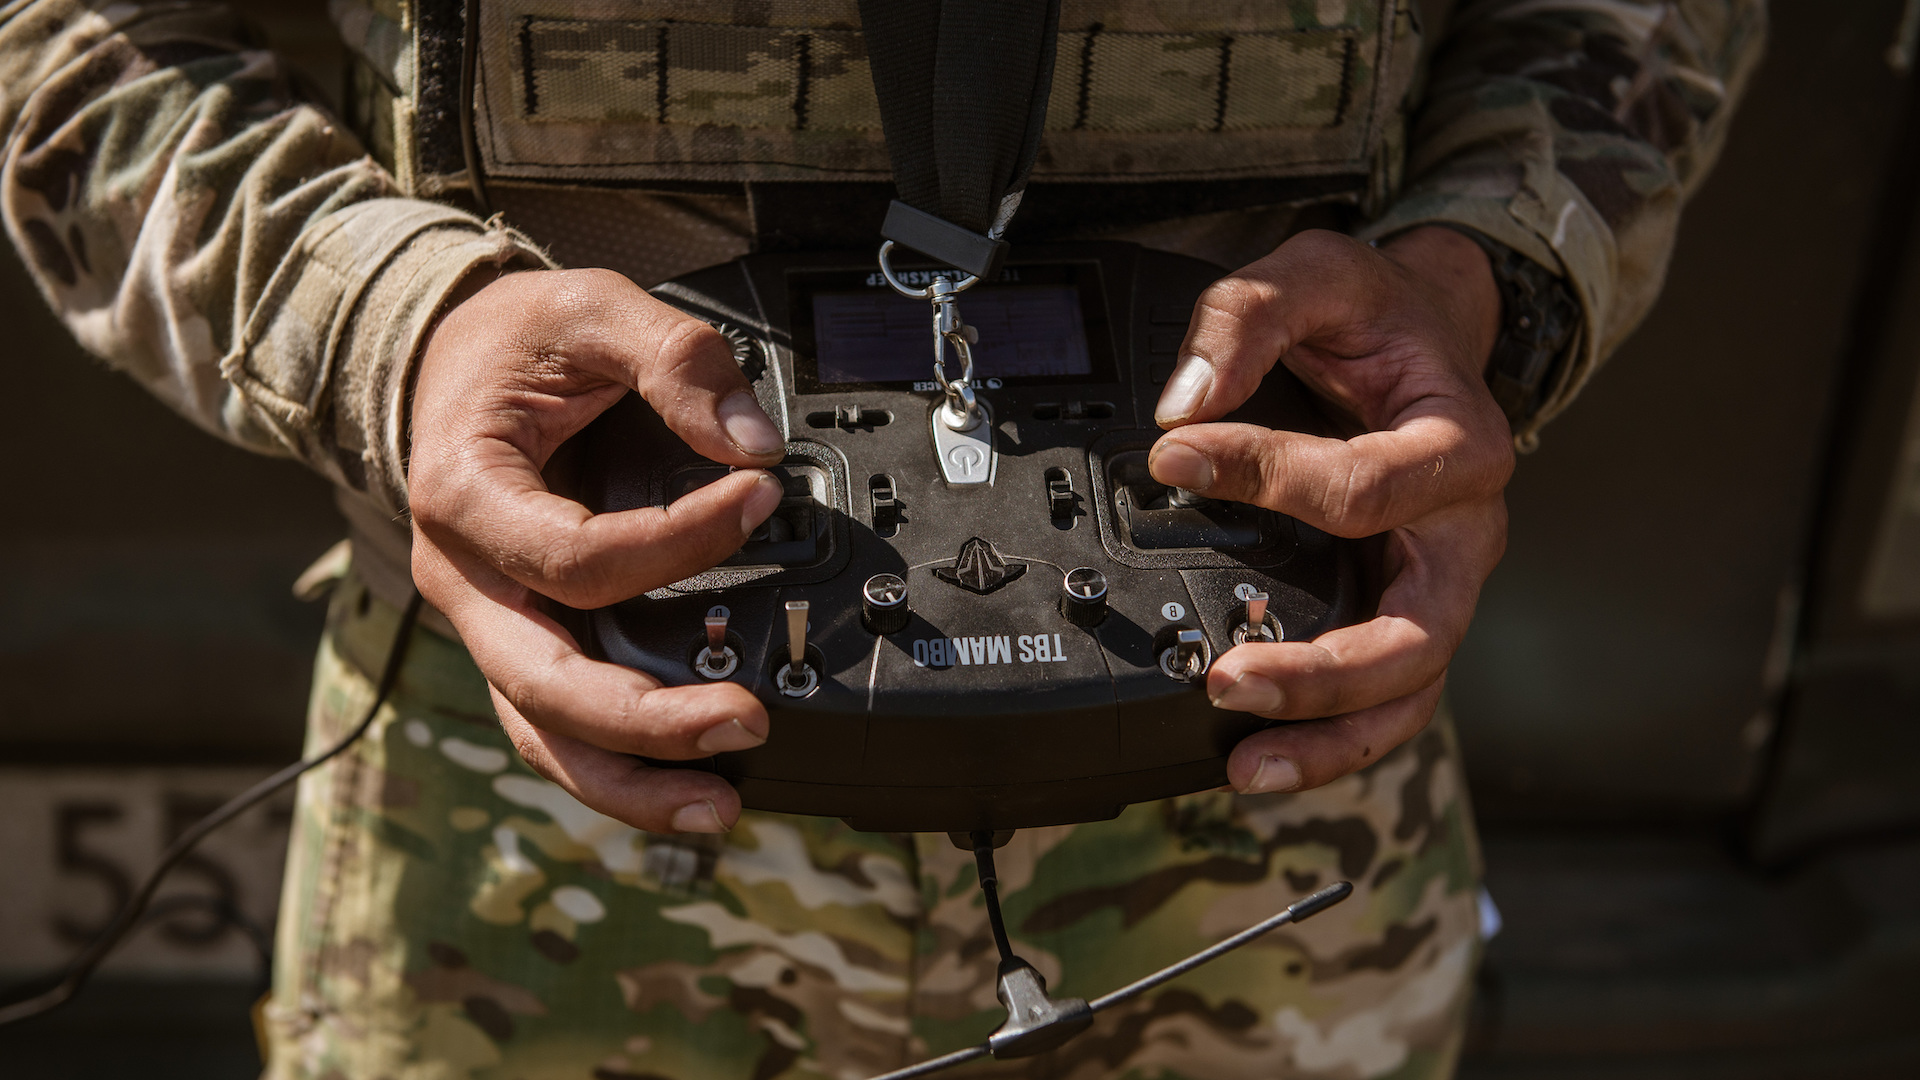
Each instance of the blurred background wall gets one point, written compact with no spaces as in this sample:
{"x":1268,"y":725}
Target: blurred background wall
{"x":1690,"y":703}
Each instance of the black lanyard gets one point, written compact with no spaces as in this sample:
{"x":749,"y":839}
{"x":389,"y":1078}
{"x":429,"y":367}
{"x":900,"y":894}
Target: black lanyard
{"x":963,"y":87}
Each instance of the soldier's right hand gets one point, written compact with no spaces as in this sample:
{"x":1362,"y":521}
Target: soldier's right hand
{"x":514,"y":368}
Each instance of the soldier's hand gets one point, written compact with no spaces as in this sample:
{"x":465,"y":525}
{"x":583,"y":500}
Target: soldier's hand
{"x":1396,"y":339}
{"x":509,"y":373}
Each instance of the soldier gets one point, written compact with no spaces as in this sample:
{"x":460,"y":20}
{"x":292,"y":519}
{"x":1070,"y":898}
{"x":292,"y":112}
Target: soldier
{"x":470,"y":891}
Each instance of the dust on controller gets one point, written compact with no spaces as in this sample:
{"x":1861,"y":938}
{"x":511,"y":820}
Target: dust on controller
{"x":956,"y":631}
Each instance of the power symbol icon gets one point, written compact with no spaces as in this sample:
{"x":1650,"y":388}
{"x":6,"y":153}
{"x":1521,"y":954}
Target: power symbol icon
{"x":966,"y":459}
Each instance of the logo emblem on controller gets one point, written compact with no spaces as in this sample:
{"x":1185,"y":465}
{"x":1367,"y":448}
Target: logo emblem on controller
{"x":979,"y":569}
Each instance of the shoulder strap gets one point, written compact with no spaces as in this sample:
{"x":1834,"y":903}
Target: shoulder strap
{"x":963,"y":87}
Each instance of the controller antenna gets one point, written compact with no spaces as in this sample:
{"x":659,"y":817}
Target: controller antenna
{"x":1037,"y":1022}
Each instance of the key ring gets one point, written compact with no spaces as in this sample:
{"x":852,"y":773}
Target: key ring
{"x":886,"y":269}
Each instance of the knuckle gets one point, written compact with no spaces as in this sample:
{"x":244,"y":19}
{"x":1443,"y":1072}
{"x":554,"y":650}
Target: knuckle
{"x":437,"y":510}
{"x":557,"y":292}
{"x":1360,"y":501}
{"x":685,"y":343}
{"x":1237,"y":297}
{"x":556,"y":304}
{"x":426,"y":500}
{"x":583,"y":287}
{"x":528,"y":748}
{"x":429,"y":573}
{"x":568,"y":573}
{"x":1271,"y":472}
{"x":1324,"y":243}
{"x":520,"y":694}
{"x":1324,"y":251}
{"x":598,"y":278}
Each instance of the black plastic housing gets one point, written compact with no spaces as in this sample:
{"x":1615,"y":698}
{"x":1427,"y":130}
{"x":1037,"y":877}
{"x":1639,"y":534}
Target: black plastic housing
{"x":1061,"y":723}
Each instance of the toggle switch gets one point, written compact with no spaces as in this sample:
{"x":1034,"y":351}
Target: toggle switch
{"x":1083,"y":596}
{"x":1258,"y":625}
{"x":797,"y":677}
{"x":1186,"y":658}
{"x":883,"y":604}
{"x":717,"y":660}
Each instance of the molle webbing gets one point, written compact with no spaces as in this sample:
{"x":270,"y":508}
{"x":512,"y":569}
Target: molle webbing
{"x":658,"y":91}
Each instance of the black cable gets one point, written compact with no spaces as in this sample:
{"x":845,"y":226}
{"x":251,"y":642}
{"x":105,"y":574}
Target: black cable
{"x":130,"y":913}
{"x":228,"y":916}
{"x":469,"y":82}
{"x":990,"y":885}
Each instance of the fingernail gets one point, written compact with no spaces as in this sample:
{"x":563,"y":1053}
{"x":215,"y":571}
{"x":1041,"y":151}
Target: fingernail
{"x":748,"y":427}
{"x":1176,"y":464}
{"x":697,"y":817}
{"x":728,"y":735}
{"x":1185,"y":391}
{"x":1273,"y":774}
{"x":1251,"y":693}
{"x":761,"y":500}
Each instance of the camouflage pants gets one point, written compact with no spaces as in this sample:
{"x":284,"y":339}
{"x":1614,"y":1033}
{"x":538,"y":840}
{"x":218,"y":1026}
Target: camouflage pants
{"x":449,"y":914}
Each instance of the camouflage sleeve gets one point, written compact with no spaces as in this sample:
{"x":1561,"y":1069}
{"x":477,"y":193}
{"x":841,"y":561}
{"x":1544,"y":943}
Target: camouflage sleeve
{"x":1572,"y":131}
{"x":203,"y":228}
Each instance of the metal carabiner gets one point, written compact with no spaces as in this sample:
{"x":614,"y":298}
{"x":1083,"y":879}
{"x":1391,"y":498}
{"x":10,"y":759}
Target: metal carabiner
{"x":961,"y":411}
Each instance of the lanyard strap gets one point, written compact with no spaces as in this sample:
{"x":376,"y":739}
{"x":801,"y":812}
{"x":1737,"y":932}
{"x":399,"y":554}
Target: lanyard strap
{"x":963,"y":88}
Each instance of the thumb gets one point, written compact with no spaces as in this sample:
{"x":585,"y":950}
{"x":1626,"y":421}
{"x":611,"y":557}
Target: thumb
{"x":1243,"y":323}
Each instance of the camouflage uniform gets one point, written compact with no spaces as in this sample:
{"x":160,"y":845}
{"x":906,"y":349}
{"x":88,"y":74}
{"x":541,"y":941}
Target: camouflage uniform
{"x":540,"y":939}
{"x":204,"y":228}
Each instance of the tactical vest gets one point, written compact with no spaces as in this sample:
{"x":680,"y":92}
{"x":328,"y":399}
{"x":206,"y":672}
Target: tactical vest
{"x":1233,"y":102}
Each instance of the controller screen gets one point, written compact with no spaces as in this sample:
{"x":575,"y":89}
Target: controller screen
{"x":877,"y":336}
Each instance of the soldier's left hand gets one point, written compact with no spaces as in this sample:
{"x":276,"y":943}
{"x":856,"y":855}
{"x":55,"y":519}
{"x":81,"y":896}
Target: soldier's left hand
{"x":1396,"y":339}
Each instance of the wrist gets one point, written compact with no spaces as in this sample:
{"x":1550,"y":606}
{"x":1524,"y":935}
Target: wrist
{"x":1457,"y":272}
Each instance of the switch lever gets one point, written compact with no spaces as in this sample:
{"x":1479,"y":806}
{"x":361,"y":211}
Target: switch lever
{"x":797,"y":678}
{"x":1256,"y":627}
{"x":717,"y":660}
{"x":1186,"y":658}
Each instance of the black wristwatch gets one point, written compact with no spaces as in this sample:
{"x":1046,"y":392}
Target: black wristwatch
{"x":1538,"y":319}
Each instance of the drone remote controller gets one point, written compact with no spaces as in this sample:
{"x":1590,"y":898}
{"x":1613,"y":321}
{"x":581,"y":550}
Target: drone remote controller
{"x":994,"y":628}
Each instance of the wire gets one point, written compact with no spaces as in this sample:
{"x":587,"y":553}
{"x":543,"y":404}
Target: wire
{"x":1296,"y":911}
{"x":934,"y":1065}
{"x":469,"y":77}
{"x":130,"y":913}
{"x":229,"y":916}
{"x":990,"y":886}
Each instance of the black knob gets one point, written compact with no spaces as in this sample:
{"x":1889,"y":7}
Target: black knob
{"x":1083,"y":596}
{"x":883,"y":604}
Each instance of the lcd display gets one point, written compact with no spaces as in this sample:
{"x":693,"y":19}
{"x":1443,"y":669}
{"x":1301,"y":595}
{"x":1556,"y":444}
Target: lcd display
{"x":878,"y":336}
